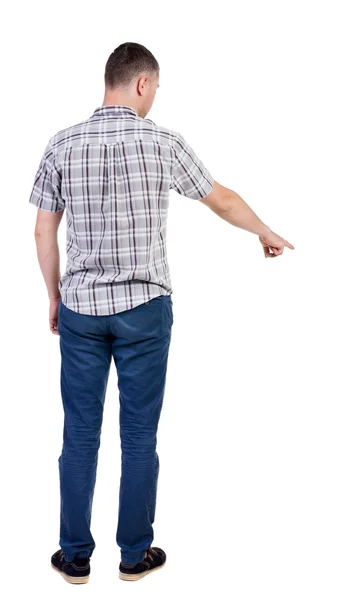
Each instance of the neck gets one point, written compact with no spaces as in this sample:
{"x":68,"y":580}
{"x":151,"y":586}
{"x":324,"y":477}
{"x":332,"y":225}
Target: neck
{"x":120,"y":99}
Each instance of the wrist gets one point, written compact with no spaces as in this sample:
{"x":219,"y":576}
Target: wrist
{"x":264,"y":230}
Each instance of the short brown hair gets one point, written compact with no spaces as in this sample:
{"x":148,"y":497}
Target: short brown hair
{"x":126,"y":62}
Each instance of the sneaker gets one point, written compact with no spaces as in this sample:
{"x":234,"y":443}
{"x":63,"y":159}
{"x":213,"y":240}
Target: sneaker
{"x":76,"y":571}
{"x":154,"y":559}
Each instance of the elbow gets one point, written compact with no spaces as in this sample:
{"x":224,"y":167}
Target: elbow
{"x":45,"y":234}
{"x":226,"y":204}
{"x":220,"y":199}
{"x":39,"y":233}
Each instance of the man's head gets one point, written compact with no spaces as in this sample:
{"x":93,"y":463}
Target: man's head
{"x":131,"y":77}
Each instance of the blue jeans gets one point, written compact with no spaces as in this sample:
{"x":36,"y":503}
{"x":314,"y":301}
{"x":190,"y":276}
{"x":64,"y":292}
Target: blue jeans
{"x":139,"y":340}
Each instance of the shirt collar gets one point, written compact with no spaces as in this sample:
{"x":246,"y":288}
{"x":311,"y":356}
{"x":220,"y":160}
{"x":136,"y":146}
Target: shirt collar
{"x":114,"y":109}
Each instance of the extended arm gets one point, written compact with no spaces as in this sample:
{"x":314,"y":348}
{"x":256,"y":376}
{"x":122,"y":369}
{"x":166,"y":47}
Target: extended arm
{"x":228,"y":205}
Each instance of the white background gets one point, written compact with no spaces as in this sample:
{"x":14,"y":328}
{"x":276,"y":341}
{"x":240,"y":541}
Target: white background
{"x":248,"y":494}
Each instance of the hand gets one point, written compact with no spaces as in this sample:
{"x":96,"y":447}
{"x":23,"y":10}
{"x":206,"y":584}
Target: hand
{"x":53,"y":314}
{"x":273,"y":242}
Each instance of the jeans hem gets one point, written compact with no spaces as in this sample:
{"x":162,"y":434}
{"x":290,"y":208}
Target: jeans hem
{"x":132,"y":560}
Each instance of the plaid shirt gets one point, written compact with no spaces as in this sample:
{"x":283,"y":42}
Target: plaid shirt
{"x":112,"y":173}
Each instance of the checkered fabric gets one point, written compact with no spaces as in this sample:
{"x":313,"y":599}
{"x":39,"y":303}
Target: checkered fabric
{"x":112,"y":173}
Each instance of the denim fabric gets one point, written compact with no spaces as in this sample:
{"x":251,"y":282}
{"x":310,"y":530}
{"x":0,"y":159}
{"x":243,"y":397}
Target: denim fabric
{"x":139,"y":340}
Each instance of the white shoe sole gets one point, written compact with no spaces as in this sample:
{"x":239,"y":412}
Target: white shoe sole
{"x":136,"y":576}
{"x":71,"y":579}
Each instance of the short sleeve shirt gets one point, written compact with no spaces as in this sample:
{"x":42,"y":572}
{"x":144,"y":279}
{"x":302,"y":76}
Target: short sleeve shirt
{"x":113,"y":173}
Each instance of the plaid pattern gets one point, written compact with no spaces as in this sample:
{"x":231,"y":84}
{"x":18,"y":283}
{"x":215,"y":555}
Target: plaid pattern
{"x":112,"y":173}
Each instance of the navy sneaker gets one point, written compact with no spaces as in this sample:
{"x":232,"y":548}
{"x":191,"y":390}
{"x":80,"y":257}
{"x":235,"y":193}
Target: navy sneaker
{"x":154,"y":559}
{"x":76,"y":571}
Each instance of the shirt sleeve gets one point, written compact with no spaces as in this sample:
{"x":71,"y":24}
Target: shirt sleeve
{"x":46,"y":193}
{"x":189,"y":175}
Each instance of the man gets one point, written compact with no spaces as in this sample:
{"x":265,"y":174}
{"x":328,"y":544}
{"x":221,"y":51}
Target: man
{"x":112,"y":173}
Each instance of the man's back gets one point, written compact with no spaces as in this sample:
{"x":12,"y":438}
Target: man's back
{"x":113,"y":173}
